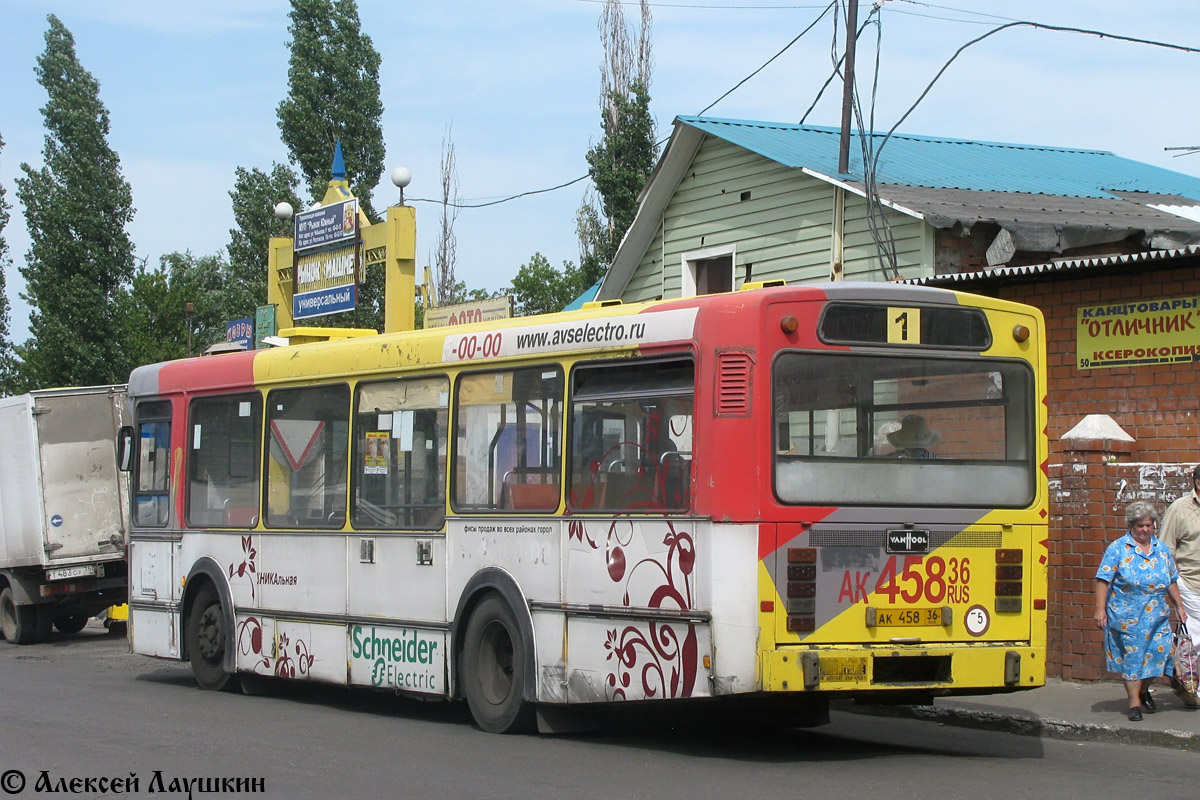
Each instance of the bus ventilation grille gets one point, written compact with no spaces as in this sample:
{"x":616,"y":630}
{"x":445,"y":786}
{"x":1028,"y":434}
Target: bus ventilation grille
{"x":733,"y":383}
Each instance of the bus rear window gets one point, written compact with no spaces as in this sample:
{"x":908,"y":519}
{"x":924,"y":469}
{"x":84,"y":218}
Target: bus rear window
{"x":865,"y":429}
{"x":937,"y":326}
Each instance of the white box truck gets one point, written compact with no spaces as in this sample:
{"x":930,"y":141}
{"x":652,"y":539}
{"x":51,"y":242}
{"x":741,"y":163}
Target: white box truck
{"x":63,"y":510}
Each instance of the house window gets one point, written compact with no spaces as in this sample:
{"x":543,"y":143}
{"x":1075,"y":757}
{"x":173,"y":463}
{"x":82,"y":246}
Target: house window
{"x":708,"y":271}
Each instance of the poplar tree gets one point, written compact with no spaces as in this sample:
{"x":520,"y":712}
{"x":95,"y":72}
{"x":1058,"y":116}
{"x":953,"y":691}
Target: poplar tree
{"x":255,"y":194}
{"x":445,"y":256}
{"x":624,"y":158}
{"x":7,"y":375}
{"x":76,"y":209}
{"x":333,"y":93}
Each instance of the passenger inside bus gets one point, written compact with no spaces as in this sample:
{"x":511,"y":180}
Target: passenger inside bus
{"x":914,"y":438}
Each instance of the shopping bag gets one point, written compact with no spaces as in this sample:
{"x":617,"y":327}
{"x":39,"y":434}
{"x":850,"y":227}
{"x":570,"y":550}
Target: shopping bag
{"x":1187,"y":667}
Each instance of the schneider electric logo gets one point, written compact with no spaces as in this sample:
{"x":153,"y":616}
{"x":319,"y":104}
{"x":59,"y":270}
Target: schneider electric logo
{"x":399,"y":658}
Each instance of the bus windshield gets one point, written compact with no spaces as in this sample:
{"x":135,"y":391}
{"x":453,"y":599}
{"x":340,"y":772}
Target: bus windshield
{"x":854,"y":429}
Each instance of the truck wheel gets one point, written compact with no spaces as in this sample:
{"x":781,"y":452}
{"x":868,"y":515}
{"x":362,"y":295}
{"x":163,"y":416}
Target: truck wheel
{"x":17,"y":623}
{"x":493,"y":674}
{"x":207,"y":639}
{"x":73,"y":623}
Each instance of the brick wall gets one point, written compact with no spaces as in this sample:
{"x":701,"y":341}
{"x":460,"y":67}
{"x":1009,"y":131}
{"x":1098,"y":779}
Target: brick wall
{"x":1088,"y":494}
{"x":1157,"y":405}
{"x":1091,"y":482}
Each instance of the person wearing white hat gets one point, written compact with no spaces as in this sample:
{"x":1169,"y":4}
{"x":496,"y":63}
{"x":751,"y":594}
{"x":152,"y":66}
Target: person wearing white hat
{"x":914,"y":438}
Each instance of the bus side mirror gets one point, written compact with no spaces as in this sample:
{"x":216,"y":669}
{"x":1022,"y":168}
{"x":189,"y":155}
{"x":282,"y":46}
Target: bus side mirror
{"x":125,"y":448}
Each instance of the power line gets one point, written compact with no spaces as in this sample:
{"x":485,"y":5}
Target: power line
{"x":1036,"y":25}
{"x":836,"y":72}
{"x":772,"y":58}
{"x":825,"y":10}
{"x":501,"y":200}
{"x":837,"y":67}
{"x":705,"y":6}
{"x":952,"y":8}
{"x":871,"y":162}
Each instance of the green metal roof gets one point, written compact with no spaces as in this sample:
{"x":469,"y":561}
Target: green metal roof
{"x":942,"y":163}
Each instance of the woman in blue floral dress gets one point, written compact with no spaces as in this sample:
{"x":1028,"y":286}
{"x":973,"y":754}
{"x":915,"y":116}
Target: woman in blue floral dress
{"x":1133,"y":583}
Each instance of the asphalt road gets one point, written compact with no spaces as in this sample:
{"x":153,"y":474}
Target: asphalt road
{"x":82,"y":707}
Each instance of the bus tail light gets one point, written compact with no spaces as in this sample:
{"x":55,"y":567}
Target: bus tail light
{"x":802,"y":572}
{"x":802,"y":605}
{"x":801,"y":589}
{"x":1010,"y":574}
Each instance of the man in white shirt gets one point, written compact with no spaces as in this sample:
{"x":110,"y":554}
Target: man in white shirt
{"x":1180,"y":532}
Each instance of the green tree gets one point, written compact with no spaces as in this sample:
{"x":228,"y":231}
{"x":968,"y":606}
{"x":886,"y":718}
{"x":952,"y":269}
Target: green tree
{"x":539,"y":288}
{"x":153,"y":312}
{"x":621,"y":163}
{"x":76,"y":209}
{"x":255,"y":194}
{"x":7,"y":365}
{"x":333,"y":93}
{"x":594,"y":251}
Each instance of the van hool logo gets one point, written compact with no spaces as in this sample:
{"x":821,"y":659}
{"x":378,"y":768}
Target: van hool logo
{"x":907,"y":541}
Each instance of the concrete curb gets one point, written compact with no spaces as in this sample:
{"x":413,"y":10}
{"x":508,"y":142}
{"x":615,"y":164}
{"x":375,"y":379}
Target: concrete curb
{"x":1031,"y":725}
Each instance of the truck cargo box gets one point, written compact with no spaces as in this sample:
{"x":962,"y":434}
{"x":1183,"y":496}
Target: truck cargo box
{"x":63,"y":507}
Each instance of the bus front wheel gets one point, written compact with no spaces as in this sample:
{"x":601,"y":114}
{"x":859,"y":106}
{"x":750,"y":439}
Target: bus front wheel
{"x":493,"y":669}
{"x":207,"y":639}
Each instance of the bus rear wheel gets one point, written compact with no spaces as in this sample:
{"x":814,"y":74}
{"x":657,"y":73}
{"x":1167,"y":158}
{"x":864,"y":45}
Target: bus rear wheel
{"x":493,"y":669}
{"x":207,"y":638}
{"x":17,"y":623}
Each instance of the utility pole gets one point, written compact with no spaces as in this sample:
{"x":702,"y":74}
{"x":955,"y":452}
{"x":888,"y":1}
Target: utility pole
{"x":848,"y":85}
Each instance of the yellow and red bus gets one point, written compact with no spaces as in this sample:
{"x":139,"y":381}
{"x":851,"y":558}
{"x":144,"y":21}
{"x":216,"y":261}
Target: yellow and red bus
{"x":783,"y":493}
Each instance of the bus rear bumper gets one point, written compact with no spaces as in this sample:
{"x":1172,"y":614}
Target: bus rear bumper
{"x":944,"y":670}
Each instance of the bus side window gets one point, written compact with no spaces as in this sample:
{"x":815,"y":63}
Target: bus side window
{"x":508,"y":442}
{"x":631,"y":440}
{"x":151,"y":496}
{"x":223,"y":448}
{"x":307,"y":458}
{"x":400,"y":435}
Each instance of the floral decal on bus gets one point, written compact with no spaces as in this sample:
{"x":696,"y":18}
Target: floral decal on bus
{"x":248,"y":566}
{"x":662,"y":656}
{"x":294,"y":657}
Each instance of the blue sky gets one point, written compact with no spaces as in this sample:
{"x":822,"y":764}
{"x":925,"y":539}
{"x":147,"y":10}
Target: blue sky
{"x":192,"y":88}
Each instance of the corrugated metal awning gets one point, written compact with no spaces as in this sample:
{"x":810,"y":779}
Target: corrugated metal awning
{"x":1054,"y":267}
